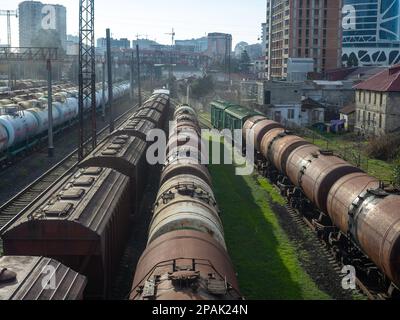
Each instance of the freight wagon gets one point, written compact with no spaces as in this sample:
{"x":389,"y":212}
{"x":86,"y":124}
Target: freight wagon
{"x":83,"y":220}
{"x":24,"y":123}
{"x":225,"y":115}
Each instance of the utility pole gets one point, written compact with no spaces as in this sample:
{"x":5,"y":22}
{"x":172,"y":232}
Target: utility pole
{"x":103,"y":83}
{"x":110,"y":83}
{"x":188,"y":94}
{"x":87,"y":70}
{"x":132,"y":92}
{"x":138,"y":71}
{"x":50,"y":109}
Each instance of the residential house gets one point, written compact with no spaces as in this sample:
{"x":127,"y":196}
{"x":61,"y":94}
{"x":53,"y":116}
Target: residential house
{"x":378,"y":103}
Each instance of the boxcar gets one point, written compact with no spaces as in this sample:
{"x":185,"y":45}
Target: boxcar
{"x":22,"y":278}
{"x":217,"y":113}
{"x":225,"y":115}
{"x":83,"y":222}
{"x":236,"y":116}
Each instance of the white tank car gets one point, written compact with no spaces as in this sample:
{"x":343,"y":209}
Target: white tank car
{"x":68,"y":111}
{"x":73,"y":106}
{"x":98,"y":98}
{"x":42,"y":116}
{"x":3,"y":137}
{"x":20,"y":126}
{"x":58,"y":113}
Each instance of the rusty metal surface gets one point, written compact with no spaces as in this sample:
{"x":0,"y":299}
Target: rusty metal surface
{"x":296,"y":159}
{"x":261,"y":128}
{"x":267,"y":139}
{"x":378,"y":232}
{"x":30,"y":273}
{"x":282,"y":147}
{"x":136,"y":128}
{"x":184,"y":126}
{"x":122,"y":153}
{"x":150,"y":114}
{"x":185,"y":229}
{"x":180,"y":166}
{"x":89,"y":236}
{"x":343,"y":193}
{"x":184,"y":109}
{"x":186,"y":202}
{"x":187,"y":118}
{"x":186,"y":138}
{"x":251,"y":122}
{"x":190,"y":251}
{"x":316,"y":172}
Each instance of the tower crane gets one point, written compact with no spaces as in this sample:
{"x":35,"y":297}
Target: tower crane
{"x":9,"y":13}
{"x":172,"y":34}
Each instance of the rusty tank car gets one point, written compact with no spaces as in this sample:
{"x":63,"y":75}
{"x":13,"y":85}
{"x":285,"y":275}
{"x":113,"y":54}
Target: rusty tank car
{"x":358,"y":207}
{"x":186,"y":256}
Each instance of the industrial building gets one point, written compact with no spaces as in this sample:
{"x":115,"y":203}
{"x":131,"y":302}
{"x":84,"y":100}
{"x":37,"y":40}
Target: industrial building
{"x":122,"y":43}
{"x":303,"y":29}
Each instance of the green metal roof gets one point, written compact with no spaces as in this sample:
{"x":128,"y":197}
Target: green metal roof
{"x":221,"y":104}
{"x":240,"y":112}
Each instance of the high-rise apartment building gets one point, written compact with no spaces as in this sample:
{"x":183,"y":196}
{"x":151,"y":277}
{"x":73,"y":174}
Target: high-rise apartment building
{"x":371,"y":32}
{"x":264,"y":37}
{"x":303,"y":29}
{"x":219,"y":46}
{"x":34,"y":16}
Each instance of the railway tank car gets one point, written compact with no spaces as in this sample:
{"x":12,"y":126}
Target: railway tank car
{"x":28,"y":120}
{"x":83,"y":219}
{"x":186,"y":256}
{"x":358,"y":206}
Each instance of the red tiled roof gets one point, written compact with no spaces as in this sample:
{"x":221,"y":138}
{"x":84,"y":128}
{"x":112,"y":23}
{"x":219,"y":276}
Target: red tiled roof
{"x":387,"y":80}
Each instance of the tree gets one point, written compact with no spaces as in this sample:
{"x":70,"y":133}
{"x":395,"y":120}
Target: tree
{"x":202,"y":87}
{"x":353,"y":61}
{"x":396,"y":173}
{"x":244,"y":61}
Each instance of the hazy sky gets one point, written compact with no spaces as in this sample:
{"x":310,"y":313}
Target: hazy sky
{"x":154,"y":18}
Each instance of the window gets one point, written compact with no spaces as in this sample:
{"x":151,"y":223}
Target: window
{"x":380,"y":121}
{"x":381,"y":99}
{"x":291,"y":114}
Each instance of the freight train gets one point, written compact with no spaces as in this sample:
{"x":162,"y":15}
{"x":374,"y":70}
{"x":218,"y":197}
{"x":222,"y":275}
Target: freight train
{"x":24,"y":118}
{"x":23,"y":277}
{"x":354,"y":212}
{"x":83,"y":220}
{"x":186,"y":256}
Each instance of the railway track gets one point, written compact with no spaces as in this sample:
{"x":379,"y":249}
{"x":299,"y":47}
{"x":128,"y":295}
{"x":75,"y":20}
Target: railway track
{"x":299,"y":218}
{"x":16,"y":206}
